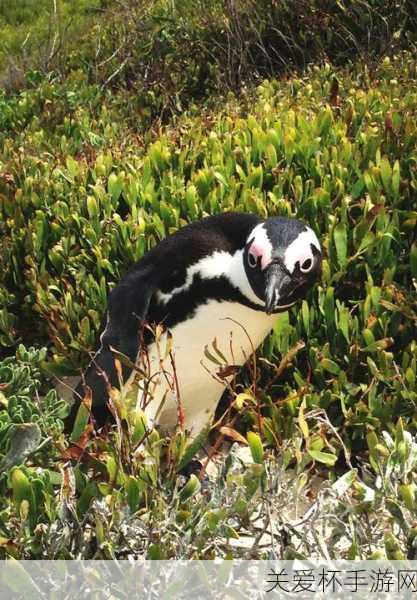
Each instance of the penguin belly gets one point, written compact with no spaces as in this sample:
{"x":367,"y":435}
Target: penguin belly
{"x":179,"y":370}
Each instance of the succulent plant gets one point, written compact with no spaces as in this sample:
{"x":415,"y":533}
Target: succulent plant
{"x":87,"y":186}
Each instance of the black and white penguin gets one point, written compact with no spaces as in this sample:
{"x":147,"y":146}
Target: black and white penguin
{"x":220,"y":280}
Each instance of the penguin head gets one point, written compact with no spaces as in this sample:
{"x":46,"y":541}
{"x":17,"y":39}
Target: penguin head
{"x":282,"y":260}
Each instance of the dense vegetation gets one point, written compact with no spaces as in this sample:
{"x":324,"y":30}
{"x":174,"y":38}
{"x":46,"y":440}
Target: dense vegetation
{"x":119,"y":140}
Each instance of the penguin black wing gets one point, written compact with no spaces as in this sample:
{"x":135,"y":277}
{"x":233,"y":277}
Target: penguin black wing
{"x":164,"y":267}
{"x":128,"y":305}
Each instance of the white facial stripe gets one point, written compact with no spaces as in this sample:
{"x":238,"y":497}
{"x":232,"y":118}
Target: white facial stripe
{"x":218,"y":264}
{"x":300,"y":249}
{"x":261,"y":246}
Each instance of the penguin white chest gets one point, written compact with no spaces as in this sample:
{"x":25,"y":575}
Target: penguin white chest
{"x":180,"y":371}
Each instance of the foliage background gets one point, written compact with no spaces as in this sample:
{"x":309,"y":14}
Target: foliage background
{"x":119,"y":123}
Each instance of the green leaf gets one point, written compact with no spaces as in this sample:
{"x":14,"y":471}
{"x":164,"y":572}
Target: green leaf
{"x":195,"y":446}
{"x":367,"y":241}
{"x":211,"y":357}
{"x":115,"y":185}
{"x":92,"y":207}
{"x":191,"y":488}
{"x":323,"y":457}
{"x":82,"y":418}
{"x":271,"y":155}
{"x":329,"y":365}
{"x":386,"y":174}
{"x":302,"y":421}
{"x":72,"y":166}
{"x":305,"y":311}
{"x":343,"y":321}
{"x":23,"y":493}
{"x":396,"y":180}
{"x":408,"y":494}
{"x":340,"y":241}
{"x":133,"y":492}
{"x":221,"y":179}
{"x":139,"y":426}
{"x":329,"y":307}
{"x":256,"y":447}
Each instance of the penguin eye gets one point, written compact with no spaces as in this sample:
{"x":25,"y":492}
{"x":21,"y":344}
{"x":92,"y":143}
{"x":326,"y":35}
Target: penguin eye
{"x":306,"y":265}
{"x":252,"y":260}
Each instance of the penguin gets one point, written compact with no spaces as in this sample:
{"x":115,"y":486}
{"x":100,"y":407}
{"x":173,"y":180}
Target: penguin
{"x":193,"y":309}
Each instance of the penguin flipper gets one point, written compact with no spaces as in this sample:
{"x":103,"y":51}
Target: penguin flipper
{"x":127,"y":311}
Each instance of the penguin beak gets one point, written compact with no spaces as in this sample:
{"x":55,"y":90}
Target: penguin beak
{"x":278,"y":285}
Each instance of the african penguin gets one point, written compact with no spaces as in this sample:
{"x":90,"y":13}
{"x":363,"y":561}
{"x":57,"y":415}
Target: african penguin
{"x":211,"y":289}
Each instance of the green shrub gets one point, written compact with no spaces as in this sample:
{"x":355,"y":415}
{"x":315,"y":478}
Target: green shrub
{"x":87,"y":200}
{"x":39,"y":36}
{"x":86,"y":187}
{"x":171,"y":53}
{"x":82,"y":200}
{"x":26,"y":399}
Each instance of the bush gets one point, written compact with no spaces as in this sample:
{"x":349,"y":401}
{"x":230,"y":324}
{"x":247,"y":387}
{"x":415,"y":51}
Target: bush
{"x":170,"y":54}
{"x":39,"y":36}
{"x":26,"y":399}
{"x":82,"y":199}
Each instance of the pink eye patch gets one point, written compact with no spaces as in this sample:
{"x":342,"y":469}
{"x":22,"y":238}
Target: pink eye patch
{"x":257,"y":251}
